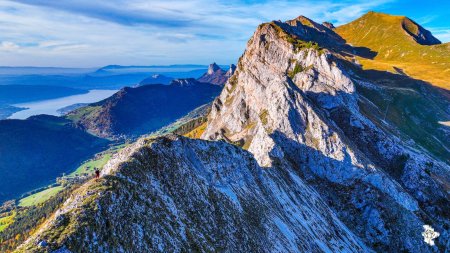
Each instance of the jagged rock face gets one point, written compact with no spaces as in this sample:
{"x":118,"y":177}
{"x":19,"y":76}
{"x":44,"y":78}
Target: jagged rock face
{"x":214,"y":75}
{"x":176,"y":194}
{"x":293,"y":105}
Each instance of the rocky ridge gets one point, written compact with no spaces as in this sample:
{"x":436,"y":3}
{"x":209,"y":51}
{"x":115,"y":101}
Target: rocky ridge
{"x":193,"y":195}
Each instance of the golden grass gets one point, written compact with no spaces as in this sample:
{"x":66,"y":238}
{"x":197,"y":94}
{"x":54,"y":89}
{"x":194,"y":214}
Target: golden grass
{"x":197,"y":132}
{"x":422,"y":71}
{"x":385,"y":35}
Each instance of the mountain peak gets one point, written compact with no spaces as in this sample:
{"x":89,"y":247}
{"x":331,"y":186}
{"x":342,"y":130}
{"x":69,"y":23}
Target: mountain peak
{"x":403,"y":23}
{"x":212,"y":68}
{"x":394,"y":39}
{"x":214,"y":75}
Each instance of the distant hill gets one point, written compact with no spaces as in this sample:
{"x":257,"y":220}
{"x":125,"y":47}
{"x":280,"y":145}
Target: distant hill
{"x":156,"y":79}
{"x":141,"y":110}
{"x":32,"y":152}
{"x":401,"y":45}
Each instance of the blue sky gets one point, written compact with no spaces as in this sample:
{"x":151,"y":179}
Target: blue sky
{"x":87,"y":33}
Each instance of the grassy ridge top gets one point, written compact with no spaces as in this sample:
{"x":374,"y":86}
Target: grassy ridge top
{"x":401,"y":46}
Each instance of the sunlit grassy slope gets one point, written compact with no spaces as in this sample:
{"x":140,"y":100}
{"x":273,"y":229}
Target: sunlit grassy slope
{"x":393,"y":38}
{"x":197,"y":132}
{"x":40,"y":197}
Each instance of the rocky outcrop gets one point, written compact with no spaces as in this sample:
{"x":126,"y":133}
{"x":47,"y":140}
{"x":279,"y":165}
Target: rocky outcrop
{"x":293,"y":104}
{"x":214,"y":75}
{"x":420,"y":34}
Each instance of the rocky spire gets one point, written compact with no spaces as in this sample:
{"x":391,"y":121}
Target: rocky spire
{"x":213,"y":68}
{"x":215,"y":75}
{"x":231,"y":70}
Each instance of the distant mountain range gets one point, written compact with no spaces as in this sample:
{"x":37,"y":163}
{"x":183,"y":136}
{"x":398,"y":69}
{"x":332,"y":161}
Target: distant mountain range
{"x":108,"y":77}
{"x":27,"y":84}
{"x":156,"y":79}
{"x":37,"y":150}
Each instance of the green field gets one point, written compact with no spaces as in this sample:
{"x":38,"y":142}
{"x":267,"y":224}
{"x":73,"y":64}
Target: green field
{"x":39,"y":197}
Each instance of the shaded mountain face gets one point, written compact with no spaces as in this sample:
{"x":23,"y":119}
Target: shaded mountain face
{"x":32,"y":153}
{"x":136,"y":111}
{"x":303,"y":151}
{"x":401,"y":46}
{"x":214,"y":75}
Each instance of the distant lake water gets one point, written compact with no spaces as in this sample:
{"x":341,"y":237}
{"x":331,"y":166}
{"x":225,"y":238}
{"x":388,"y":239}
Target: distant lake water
{"x":51,"y":106}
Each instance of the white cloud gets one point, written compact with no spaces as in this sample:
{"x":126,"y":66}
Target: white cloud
{"x":443,"y":33}
{"x":95,"y":33}
{"x":8,"y":46}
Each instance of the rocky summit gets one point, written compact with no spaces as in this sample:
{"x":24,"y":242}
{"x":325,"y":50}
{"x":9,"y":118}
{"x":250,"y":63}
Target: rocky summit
{"x":216,"y":75}
{"x":303,"y":151}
